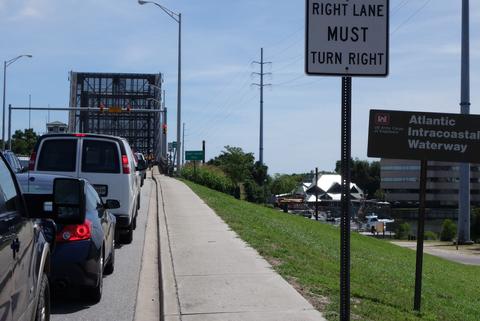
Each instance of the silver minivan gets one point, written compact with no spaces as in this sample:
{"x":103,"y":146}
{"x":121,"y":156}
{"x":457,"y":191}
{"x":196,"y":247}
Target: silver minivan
{"x":107,"y":162}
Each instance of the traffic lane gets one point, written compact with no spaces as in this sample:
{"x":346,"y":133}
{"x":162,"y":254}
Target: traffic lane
{"x":119,"y":289}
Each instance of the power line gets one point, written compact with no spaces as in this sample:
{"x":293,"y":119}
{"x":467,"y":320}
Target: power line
{"x":214,"y":119}
{"x":224,"y":88}
{"x":220,"y":120}
{"x":221,"y":106}
{"x":222,"y":123}
{"x":411,"y":16}
{"x":289,"y":81}
{"x":399,"y":6}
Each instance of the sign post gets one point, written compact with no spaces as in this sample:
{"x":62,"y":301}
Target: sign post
{"x":423,"y":136}
{"x":346,"y":38}
{"x":194,"y":155}
{"x":420,"y":233}
{"x":316,"y":193}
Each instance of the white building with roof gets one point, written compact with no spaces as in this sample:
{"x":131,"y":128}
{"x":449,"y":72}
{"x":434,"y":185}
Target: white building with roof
{"x":329,"y":188}
{"x":56,"y":127}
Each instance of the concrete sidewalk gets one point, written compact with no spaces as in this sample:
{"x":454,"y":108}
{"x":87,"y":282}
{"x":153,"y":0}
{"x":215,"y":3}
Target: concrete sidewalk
{"x":209,"y":274}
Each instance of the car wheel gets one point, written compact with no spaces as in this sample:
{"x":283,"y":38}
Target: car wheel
{"x":95,"y":294}
{"x":43,"y":306}
{"x":110,"y":267}
{"x":127,"y":235}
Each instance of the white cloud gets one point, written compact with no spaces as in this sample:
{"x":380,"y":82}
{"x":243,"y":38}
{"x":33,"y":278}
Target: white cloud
{"x":31,"y":11}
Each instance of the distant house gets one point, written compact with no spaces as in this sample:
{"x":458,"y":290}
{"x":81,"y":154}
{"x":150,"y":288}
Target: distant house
{"x":302,"y":188}
{"x":329,"y":188}
{"x":56,"y":127}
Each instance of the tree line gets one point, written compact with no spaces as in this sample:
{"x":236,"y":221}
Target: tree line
{"x":250,"y":179}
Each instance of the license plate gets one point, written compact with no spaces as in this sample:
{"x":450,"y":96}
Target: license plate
{"x":102,"y":190}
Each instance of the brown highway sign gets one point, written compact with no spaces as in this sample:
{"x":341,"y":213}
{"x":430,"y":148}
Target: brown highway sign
{"x":424,"y":136}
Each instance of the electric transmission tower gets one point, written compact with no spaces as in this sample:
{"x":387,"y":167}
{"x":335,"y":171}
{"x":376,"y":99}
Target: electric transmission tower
{"x":261,"y":85}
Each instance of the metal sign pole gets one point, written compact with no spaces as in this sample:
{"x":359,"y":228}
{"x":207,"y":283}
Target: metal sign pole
{"x":316,"y":193}
{"x":420,"y":233}
{"x":345,"y":220}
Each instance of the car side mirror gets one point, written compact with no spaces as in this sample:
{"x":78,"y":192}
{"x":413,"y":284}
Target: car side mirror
{"x":112,"y":204}
{"x":142,"y":165}
{"x":69,"y":201}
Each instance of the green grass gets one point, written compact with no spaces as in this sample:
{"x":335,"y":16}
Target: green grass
{"x":382,"y":275}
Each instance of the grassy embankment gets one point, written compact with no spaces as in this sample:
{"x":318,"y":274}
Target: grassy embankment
{"x":382,"y":275}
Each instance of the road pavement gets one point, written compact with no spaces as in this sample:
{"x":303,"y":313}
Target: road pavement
{"x":119,"y":297}
{"x":448,"y":254}
{"x":210,"y":274}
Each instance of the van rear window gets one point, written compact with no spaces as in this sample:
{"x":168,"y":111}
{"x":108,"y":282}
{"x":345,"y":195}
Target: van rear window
{"x":100,"y":157}
{"x":58,"y":155}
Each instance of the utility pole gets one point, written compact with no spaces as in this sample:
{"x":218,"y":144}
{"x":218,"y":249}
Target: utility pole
{"x":203,"y":149}
{"x":261,"y":85}
{"x":464,"y":188}
{"x":183,"y":145}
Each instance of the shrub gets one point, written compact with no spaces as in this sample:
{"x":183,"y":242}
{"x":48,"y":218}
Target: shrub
{"x":209,"y":176}
{"x":403,"y":231}
{"x":253,"y":192}
{"x":430,"y":236}
{"x":449,"y":231}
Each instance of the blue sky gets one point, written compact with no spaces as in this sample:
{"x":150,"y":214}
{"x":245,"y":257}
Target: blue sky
{"x":220,"y":40}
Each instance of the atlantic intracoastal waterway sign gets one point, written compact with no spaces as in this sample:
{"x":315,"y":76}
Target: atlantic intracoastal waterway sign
{"x":424,"y":136}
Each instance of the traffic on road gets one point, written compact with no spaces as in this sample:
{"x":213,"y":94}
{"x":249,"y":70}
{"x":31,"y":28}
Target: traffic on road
{"x":70,"y":217}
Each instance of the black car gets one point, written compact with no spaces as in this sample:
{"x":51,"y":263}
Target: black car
{"x":25,"y":249}
{"x":84,"y":252}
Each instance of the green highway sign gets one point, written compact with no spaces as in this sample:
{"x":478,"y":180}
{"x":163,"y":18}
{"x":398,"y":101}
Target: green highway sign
{"x":194,"y":155}
{"x":172,"y":146}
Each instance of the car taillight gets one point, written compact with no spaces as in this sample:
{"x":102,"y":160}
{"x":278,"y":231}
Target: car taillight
{"x":72,"y":233}
{"x":31,"y":162}
{"x":80,"y":135}
{"x":125,"y":165}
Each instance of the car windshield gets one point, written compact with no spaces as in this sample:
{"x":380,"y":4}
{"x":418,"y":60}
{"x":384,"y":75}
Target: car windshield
{"x":35,"y":184}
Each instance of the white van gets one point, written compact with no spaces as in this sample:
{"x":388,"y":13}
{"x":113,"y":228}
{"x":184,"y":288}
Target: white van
{"x":107,"y":162}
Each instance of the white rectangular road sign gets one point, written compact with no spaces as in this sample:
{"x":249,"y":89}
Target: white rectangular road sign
{"x":347,"y":37}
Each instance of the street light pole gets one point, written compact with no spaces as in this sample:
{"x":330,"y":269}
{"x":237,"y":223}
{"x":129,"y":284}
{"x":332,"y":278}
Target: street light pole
{"x":179,"y":92}
{"x":4,"y":90}
{"x":5,"y":65}
{"x":178,"y":18}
